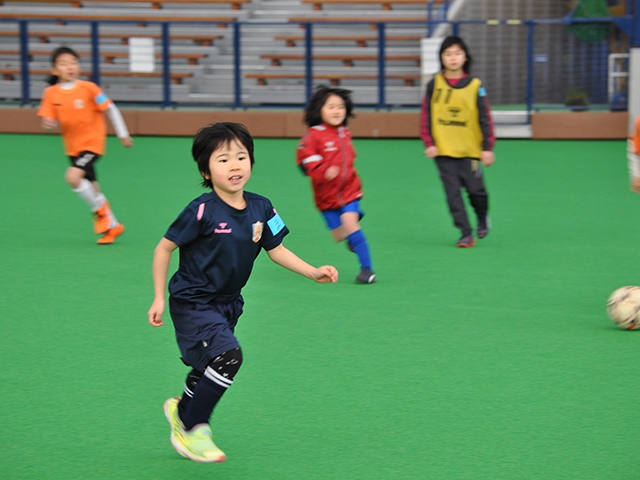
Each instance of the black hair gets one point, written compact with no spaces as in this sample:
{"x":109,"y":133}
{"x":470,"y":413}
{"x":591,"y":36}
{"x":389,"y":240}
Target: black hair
{"x":210,"y":138}
{"x":53,"y":79}
{"x":312,"y":112}
{"x":450,"y":41}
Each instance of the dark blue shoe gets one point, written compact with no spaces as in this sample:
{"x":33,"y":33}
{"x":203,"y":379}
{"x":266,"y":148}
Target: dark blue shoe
{"x":366,"y":276}
{"x":466,"y":241}
{"x":483,"y":227}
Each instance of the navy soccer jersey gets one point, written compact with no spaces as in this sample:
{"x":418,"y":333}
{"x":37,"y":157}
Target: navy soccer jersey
{"x":219,"y":244}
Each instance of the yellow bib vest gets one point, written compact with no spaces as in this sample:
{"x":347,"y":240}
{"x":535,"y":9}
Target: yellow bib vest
{"x":454,"y":119}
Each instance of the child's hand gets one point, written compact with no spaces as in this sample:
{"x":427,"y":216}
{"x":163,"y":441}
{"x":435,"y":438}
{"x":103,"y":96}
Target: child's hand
{"x":331,"y":172}
{"x":325,"y":274}
{"x":155,"y":313}
{"x":126,"y":142}
{"x":49,"y":123}
{"x":487,"y":158}
{"x":635,"y":184}
{"x":431,"y":152}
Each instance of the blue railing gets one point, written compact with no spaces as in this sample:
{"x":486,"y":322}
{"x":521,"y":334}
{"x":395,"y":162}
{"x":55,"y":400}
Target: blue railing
{"x":630,"y":20}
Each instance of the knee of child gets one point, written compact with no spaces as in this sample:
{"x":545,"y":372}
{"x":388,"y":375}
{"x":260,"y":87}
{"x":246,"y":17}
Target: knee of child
{"x":73,"y":176}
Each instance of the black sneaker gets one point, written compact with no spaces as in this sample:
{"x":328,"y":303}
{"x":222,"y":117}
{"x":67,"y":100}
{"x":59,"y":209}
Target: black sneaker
{"x":466,"y":241}
{"x":483,"y":227}
{"x":366,"y":276}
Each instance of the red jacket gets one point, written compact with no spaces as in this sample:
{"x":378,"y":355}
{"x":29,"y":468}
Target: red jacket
{"x":324,"y":146}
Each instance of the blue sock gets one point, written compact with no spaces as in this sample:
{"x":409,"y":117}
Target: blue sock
{"x":358,"y":242}
{"x":205,"y":397}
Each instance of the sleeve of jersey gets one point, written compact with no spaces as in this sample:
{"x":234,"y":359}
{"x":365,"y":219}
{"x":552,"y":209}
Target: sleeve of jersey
{"x":186,"y":228}
{"x":100,"y":98}
{"x":274,"y":231}
{"x":310,"y":160}
{"x":636,"y":137}
{"x":425,"y":117}
{"x":486,"y":123}
{"x":46,"y":109}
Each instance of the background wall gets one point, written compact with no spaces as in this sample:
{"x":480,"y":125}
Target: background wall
{"x":289,"y":124}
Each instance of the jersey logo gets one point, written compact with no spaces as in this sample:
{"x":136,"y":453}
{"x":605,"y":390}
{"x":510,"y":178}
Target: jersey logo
{"x":222,"y":228}
{"x":330,"y":146}
{"x":78,"y":103}
{"x":452,"y":123}
{"x":256,"y":231}
{"x":454,"y":111}
{"x":275,"y":224}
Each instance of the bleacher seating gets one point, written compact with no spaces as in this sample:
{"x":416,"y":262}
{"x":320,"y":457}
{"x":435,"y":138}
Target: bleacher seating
{"x":201,"y":47}
{"x":386,"y":4}
{"x":157,"y":4}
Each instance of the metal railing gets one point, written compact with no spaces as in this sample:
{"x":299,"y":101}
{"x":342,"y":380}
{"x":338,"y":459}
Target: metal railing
{"x":630,"y":22}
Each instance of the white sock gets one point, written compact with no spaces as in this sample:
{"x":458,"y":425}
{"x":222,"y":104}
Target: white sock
{"x":114,"y":220}
{"x":103,"y":200}
{"x":89,"y":194}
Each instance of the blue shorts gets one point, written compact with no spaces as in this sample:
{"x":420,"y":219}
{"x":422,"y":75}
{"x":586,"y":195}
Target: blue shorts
{"x":332,"y":217}
{"x":204,"y":331}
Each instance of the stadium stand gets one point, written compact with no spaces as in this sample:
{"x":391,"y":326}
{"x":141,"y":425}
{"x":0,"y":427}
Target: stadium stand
{"x":386,"y":4}
{"x":157,"y":4}
{"x":202,"y":54}
{"x":361,"y":41}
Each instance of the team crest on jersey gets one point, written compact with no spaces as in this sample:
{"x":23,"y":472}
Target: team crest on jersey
{"x":78,"y":103}
{"x":256,"y":230}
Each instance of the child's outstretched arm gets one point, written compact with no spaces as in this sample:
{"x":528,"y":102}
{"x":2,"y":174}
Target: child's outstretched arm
{"x":633,"y":157}
{"x":119,"y":126}
{"x":161,"y":260}
{"x":289,"y":260}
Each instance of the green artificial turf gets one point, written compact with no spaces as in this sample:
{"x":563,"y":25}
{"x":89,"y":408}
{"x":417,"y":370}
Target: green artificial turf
{"x":495,"y":362}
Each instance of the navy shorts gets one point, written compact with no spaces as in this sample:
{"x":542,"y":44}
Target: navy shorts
{"x":204,"y":331}
{"x":85,"y":162}
{"x":332,"y":217}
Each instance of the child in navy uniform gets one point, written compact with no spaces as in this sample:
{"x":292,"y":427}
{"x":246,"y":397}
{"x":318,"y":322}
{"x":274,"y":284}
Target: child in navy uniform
{"x":219,"y":235}
{"x":326,"y":155}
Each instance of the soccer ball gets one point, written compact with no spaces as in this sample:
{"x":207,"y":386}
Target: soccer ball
{"x":623,"y":307}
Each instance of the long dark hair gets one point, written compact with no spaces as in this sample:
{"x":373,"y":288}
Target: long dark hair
{"x":53,"y":79}
{"x":209,"y":138}
{"x":312,"y":112}
{"x":450,"y":41}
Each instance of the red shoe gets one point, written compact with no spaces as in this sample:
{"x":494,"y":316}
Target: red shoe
{"x":102,"y":219}
{"x":111,"y":235}
{"x":466,"y":241}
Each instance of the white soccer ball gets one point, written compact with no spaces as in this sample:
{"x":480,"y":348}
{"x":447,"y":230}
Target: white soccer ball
{"x":623,"y":307}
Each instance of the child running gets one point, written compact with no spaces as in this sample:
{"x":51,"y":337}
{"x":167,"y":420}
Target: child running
{"x":457,"y":130}
{"x":326,"y":155}
{"x":78,"y":107}
{"x":219,"y":235}
{"x":633,"y":156}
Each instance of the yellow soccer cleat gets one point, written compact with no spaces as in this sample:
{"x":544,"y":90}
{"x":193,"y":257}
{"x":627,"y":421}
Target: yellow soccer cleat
{"x":170,"y":408}
{"x":198,"y":445}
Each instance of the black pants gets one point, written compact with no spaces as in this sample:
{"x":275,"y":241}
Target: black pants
{"x":455,"y":174}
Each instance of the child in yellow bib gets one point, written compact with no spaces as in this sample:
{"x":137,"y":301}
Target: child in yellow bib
{"x":457,"y":131}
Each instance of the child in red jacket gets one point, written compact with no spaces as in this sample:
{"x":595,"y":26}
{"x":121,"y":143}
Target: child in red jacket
{"x":326,"y":154}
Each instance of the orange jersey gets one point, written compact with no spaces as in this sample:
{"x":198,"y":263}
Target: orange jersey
{"x":635,"y":138}
{"x":80,"y":113}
